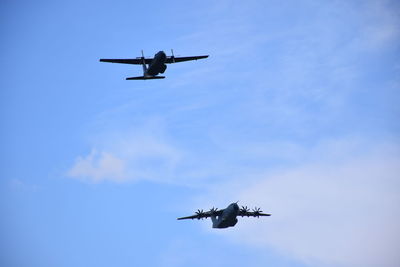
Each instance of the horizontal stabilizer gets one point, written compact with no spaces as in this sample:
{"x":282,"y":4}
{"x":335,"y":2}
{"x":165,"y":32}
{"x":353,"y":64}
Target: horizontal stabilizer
{"x":145,"y":77}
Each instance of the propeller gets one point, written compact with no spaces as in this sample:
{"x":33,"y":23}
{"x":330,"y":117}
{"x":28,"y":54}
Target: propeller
{"x":213,"y":210}
{"x":172,"y":57}
{"x":257,"y":211}
{"x":199,"y":213}
{"x":142,"y":57}
{"x":245,"y":209}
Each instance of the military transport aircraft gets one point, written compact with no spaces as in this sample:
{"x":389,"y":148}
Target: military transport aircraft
{"x":153,"y":66}
{"x":226,"y":217}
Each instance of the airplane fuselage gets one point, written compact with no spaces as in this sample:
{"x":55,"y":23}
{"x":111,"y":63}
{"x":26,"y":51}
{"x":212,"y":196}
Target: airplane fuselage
{"x":227,"y":218}
{"x":157,"y":65}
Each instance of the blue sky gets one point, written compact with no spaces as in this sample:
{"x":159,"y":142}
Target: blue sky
{"x":296,"y":110}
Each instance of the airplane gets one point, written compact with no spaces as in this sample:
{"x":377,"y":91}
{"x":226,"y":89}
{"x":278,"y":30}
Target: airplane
{"x":153,"y":66}
{"x":226,"y":217}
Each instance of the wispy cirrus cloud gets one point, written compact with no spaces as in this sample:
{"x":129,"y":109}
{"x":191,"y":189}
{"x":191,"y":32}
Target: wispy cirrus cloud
{"x":280,"y":71}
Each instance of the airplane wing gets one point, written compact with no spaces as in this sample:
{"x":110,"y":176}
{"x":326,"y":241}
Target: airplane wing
{"x":137,"y":61}
{"x":244,"y":211}
{"x":174,"y":59}
{"x":200,"y":214}
{"x":252,"y":214}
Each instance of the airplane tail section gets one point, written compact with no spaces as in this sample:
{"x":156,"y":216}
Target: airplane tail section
{"x":145,"y":77}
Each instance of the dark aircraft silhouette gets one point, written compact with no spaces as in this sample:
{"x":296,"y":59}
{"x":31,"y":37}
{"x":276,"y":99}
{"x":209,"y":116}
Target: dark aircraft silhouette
{"x":153,"y":66}
{"x":226,"y":217}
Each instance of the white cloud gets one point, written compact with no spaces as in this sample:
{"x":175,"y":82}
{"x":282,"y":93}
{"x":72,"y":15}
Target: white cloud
{"x":341,"y":209}
{"x":127,"y":156}
{"x":99,"y":166}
